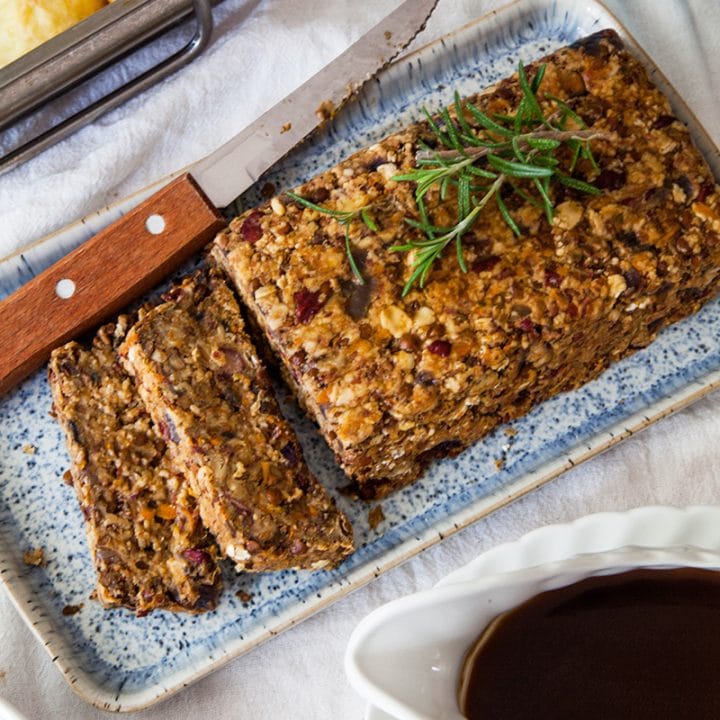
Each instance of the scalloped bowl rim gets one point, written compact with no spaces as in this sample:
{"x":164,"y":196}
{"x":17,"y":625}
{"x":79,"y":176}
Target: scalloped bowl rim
{"x":430,"y":650}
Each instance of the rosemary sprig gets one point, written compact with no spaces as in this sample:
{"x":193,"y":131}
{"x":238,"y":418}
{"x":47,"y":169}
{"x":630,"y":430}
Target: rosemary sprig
{"x":344,"y":218}
{"x":519,"y":151}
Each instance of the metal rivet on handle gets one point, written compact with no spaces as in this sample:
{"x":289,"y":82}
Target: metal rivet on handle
{"x":155,"y":224}
{"x":65,"y":288}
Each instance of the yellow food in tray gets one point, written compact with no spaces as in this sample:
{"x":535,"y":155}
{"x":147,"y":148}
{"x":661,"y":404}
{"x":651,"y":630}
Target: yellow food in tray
{"x":25,"y":24}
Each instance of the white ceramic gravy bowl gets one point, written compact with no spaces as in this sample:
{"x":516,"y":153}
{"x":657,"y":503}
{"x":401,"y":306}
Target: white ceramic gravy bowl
{"x":405,"y":657}
{"x":8,"y":712}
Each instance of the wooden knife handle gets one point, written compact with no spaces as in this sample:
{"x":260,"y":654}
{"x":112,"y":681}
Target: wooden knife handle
{"x":97,"y":279}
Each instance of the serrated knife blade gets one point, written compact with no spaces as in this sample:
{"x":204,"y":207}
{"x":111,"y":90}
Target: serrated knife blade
{"x":237,"y":165}
{"x":131,"y":255}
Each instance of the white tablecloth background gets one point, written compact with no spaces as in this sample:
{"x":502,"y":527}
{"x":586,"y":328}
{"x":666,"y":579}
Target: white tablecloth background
{"x":264,"y":49}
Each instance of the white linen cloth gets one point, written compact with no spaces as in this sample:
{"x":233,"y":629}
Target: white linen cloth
{"x":263,"y":50}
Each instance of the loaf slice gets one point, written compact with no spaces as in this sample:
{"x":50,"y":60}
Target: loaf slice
{"x":209,"y":395}
{"x":394,"y":381}
{"x":149,"y":548}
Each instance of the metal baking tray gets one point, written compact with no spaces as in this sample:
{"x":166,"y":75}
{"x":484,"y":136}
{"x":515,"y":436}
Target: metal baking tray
{"x":84,"y":50}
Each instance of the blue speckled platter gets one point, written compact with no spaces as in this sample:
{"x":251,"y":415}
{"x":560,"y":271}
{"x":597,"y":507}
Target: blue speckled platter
{"x":121,"y":662}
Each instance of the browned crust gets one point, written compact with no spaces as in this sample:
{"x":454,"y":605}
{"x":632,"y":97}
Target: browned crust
{"x":208,"y":392}
{"x":394,"y":382}
{"x":149,"y":547}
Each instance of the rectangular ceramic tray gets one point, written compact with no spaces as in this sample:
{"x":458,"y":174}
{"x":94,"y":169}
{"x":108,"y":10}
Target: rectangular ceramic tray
{"x":120,"y":662}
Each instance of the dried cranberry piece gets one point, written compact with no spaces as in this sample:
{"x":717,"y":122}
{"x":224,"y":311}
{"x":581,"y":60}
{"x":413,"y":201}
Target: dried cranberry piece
{"x":251,"y":230}
{"x":527,"y":325}
{"x":290,"y":453}
{"x":425,"y":378}
{"x":168,"y":430}
{"x":252,"y":546}
{"x":610,"y":179}
{"x":663,"y":121}
{"x":297,"y":547}
{"x":440,"y":347}
{"x":552,"y":279}
{"x":207,"y":597}
{"x":632,"y":278}
{"x":302,"y":480}
{"x":704,"y":191}
{"x":683,"y":246}
{"x":195,"y":556}
{"x":692,"y":294}
{"x":234,"y":360}
{"x":240,"y":507}
{"x":485,"y":264}
{"x":629,"y":237}
{"x":307,"y":305}
{"x":174,"y":293}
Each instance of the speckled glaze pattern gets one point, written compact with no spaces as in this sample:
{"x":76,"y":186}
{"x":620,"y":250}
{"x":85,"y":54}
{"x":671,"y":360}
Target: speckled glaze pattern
{"x":121,"y":662}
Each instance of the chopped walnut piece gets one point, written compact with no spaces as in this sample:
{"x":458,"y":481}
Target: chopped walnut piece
{"x":375,"y":516}
{"x":34,"y":557}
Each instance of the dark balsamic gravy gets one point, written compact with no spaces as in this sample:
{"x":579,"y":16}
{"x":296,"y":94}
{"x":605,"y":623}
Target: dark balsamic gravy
{"x":636,"y":645}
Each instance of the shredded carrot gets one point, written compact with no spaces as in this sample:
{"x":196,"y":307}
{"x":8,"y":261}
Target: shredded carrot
{"x":166,"y":512}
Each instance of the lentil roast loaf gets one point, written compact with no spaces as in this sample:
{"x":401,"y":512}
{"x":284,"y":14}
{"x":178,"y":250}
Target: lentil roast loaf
{"x":210,"y":396}
{"x":149,"y":547}
{"x":393,"y":381}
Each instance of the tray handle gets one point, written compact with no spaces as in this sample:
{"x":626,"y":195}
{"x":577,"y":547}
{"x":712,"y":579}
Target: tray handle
{"x":203,"y":14}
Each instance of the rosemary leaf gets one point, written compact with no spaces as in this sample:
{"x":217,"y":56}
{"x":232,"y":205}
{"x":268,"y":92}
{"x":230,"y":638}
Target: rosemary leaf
{"x":459,"y":251}
{"x":487,"y":123}
{"x":537,"y":80}
{"x":506,"y":215}
{"x":547,"y":202}
{"x":318,"y":208}
{"x":567,"y":110}
{"x":468,"y":133}
{"x":351,"y":258}
{"x":518,"y":170}
{"x":542,"y":143}
{"x":577,"y":184}
{"x":529,"y":94}
{"x":451,"y":130}
{"x":434,"y":127}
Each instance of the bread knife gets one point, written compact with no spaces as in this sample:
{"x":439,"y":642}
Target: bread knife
{"x":133,"y":254}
